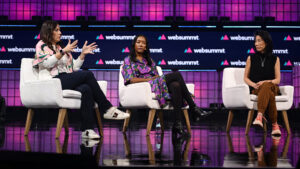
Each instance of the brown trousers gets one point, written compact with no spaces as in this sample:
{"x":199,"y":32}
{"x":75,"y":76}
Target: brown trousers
{"x":266,"y":99}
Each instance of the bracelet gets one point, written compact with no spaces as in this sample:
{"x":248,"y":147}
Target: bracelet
{"x":61,"y":52}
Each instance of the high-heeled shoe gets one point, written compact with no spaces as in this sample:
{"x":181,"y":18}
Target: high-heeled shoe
{"x":199,"y":113}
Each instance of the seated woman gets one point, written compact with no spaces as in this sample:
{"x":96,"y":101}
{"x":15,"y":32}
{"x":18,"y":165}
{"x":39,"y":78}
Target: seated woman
{"x":139,"y":67}
{"x":54,"y":60}
{"x":262,"y":74}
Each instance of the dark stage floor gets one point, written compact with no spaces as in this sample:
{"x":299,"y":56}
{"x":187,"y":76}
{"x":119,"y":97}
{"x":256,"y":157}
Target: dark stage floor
{"x":209,"y":145}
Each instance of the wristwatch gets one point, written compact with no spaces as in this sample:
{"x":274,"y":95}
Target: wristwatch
{"x":61,"y":52}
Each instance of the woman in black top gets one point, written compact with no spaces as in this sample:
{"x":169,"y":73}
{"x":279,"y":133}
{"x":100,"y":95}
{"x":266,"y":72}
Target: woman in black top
{"x":262,"y":74}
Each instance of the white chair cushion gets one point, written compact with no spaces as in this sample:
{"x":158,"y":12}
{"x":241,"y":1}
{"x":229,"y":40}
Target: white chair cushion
{"x":153,"y":96}
{"x":277,"y":98}
{"x":71,"y":94}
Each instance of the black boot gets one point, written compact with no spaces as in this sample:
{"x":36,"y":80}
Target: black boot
{"x":200,"y":113}
{"x":178,"y":130}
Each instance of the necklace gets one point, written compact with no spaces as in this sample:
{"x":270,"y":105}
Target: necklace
{"x":262,"y":61}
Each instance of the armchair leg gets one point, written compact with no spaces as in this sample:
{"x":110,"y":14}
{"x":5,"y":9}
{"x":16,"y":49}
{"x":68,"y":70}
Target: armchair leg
{"x":265,"y":126}
{"x":161,"y":119}
{"x":151,"y":153}
{"x":249,"y":120}
{"x":99,"y":122}
{"x":187,"y":121}
{"x":229,"y":121}
{"x":150,"y":120}
{"x":286,"y":121}
{"x":30,"y":114}
{"x":126,"y":121}
{"x":27,"y":144}
{"x":66,"y":124}
{"x":60,"y":120}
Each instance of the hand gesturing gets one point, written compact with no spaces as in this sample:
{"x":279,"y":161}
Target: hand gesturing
{"x":88,"y":49}
{"x":70,"y":46}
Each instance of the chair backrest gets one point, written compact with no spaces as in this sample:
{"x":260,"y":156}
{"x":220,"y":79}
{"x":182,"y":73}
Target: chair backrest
{"x":27,"y":73}
{"x":121,"y":79}
{"x":233,"y":77}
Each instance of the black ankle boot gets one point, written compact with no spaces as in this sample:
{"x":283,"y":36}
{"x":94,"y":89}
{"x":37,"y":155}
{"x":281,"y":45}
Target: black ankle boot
{"x":200,"y":113}
{"x":178,"y":130}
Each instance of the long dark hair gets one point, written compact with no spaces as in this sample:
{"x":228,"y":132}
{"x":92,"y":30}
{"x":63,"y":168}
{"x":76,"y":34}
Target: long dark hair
{"x":46,"y":34}
{"x":146,"y":53}
{"x":268,"y":40}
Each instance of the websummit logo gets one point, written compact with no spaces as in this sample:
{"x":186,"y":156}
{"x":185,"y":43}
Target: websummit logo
{"x":162,"y":37}
{"x":99,"y":62}
{"x":125,"y":50}
{"x":288,"y":38}
{"x":100,"y":37}
{"x":188,"y":50}
{"x":162,"y":62}
{"x":3,"y":49}
{"x":224,"y":63}
{"x":37,"y":36}
{"x":225,"y":37}
{"x":288,"y":63}
{"x":251,"y":51}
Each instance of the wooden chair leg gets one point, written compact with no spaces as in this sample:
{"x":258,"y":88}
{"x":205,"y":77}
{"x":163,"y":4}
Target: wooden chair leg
{"x":286,"y":121}
{"x":126,"y":121}
{"x":27,"y":144}
{"x":60,"y":121}
{"x":99,"y":122}
{"x":58,"y":146}
{"x":98,"y":151}
{"x":30,"y":114}
{"x":150,"y":120}
{"x":187,"y":121}
{"x":186,"y":150}
{"x":65,"y":144}
{"x":229,"y":142}
{"x":126,"y":145}
{"x":66,"y":124}
{"x":249,"y":121}
{"x":229,"y":121}
{"x":265,"y":126}
{"x":150,"y":151}
{"x":161,"y":119}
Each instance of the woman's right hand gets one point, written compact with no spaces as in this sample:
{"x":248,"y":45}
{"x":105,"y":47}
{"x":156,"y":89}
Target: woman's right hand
{"x":70,"y":46}
{"x":256,"y":85}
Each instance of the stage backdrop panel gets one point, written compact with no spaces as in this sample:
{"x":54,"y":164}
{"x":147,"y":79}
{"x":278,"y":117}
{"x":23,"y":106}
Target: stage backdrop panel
{"x":169,"y":49}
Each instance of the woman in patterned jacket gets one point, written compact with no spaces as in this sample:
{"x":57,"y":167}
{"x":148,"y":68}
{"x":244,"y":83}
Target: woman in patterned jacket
{"x":139,"y":67}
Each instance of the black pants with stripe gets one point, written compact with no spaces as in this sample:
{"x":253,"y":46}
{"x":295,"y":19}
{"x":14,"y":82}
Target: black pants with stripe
{"x":86,"y":83}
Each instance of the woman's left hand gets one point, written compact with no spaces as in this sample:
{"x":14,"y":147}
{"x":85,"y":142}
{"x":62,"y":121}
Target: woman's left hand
{"x":88,"y":49}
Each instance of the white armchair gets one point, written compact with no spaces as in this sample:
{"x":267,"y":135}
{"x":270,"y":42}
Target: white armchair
{"x":37,"y":93}
{"x":236,"y":95}
{"x":139,"y":95}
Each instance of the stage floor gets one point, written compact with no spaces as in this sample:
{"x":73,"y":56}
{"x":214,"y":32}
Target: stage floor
{"x":209,"y":145}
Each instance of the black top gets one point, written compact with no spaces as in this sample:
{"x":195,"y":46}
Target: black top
{"x":262,"y":67}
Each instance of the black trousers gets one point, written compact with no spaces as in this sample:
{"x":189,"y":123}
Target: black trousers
{"x":179,"y":93}
{"x":86,"y":83}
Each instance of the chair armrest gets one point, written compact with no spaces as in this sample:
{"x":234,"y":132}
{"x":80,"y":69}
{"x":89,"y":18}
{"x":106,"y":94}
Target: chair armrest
{"x":191,"y":87}
{"x":103,"y":86}
{"x":41,"y":93}
{"x":287,"y":90}
{"x":236,"y":96}
{"x":135,"y":95}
